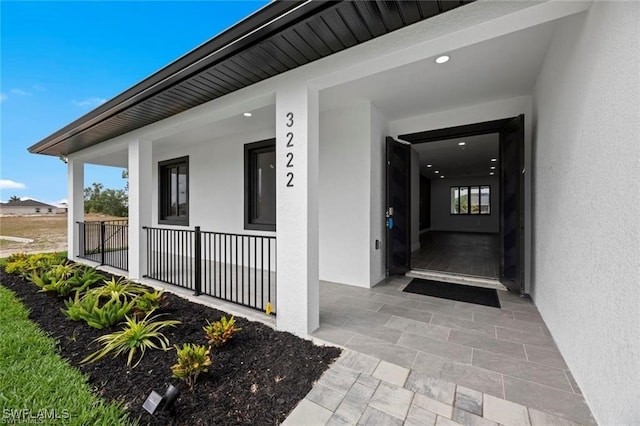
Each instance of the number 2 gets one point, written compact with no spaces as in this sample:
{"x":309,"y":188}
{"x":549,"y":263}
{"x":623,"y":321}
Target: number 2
{"x":290,"y":157}
{"x":290,"y":176}
{"x":290,"y":141}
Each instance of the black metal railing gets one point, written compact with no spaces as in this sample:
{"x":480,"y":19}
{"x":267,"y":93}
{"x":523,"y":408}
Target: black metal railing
{"x":233,"y":267}
{"x":105,"y":242}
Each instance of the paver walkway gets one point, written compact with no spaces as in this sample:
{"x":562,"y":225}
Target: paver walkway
{"x":362,"y":390}
{"x":504,"y":354}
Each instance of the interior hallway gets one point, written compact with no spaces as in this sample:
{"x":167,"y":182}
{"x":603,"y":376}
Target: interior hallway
{"x":467,"y":253}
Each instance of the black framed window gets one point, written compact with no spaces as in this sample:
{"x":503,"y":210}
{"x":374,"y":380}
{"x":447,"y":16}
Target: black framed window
{"x":173,"y":178}
{"x":260,"y":185}
{"x":471,"y":200}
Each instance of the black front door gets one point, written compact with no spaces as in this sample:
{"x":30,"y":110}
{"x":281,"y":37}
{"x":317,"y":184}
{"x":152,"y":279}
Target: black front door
{"x":512,"y":204}
{"x":398,"y":245}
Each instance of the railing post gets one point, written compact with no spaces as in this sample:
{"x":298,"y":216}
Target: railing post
{"x":198,"y":261}
{"x":102,"y":242}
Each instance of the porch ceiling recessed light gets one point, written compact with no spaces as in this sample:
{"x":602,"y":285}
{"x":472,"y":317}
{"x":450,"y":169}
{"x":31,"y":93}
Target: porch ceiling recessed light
{"x":494,"y":159}
{"x":247,"y":114}
{"x":493,"y":167}
{"x":428,"y":165}
{"x":442,"y":59}
{"x":491,"y":174}
{"x":441,"y":177}
{"x":462,"y":143}
{"x":437,"y":171}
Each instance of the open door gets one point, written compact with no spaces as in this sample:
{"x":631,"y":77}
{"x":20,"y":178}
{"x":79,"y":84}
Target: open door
{"x":398,"y":245}
{"x":512,"y":204}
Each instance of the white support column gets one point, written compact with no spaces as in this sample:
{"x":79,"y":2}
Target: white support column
{"x":75,"y":205}
{"x":140,"y":187}
{"x":297,"y":159}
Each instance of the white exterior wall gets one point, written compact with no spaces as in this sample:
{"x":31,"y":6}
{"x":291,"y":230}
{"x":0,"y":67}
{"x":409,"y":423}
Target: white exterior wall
{"x":216,"y":181}
{"x":20,"y":210}
{"x":379,"y":132}
{"x":587,"y":180}
{"x":345,"y":182}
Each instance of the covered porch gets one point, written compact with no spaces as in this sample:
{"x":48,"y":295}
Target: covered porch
{"x":442,"y":349}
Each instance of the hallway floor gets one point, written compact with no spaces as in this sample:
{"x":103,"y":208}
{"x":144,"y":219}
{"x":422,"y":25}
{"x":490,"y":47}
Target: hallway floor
{"x":505,"y":354}
{"x":467,"y":253}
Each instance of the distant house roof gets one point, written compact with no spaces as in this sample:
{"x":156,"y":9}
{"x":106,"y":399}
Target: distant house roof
{"x":26,"y":203}
{"x":279,"y":37}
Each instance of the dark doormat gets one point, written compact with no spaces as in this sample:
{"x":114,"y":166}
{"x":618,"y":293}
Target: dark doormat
{"x":459,"y":292}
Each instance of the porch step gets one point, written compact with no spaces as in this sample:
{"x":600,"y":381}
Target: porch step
{"x":457,"y":279}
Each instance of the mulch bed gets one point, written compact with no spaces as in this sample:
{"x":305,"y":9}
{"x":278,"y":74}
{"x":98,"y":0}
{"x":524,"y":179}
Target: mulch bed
{"x":256,"y":378}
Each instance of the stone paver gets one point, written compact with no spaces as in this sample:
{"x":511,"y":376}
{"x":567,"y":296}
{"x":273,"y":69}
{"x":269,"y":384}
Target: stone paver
{"x":391,"y":373}
{"x":308,"y":413}
{"x":505,"y":412}
{"x":392,"y":400}
{"x":469,"y":400}
{"x":452,"y":364}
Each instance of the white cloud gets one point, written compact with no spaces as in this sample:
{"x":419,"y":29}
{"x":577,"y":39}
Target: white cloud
{"x":10,"y":184}
{"x":89,"y":102}
{"x":19,"y":92}
{"x":3,"y":97}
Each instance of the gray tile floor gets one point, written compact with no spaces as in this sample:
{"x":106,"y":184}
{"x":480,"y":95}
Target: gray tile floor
{"x":506,"y":353}
{"x":469,"y":253}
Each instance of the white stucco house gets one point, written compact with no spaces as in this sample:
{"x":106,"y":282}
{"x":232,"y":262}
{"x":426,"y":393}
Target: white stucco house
{"x":30,"y":207}
{"x":291,"y":141}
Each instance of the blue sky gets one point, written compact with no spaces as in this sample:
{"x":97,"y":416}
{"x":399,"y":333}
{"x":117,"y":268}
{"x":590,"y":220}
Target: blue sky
{"x":59,"y":60}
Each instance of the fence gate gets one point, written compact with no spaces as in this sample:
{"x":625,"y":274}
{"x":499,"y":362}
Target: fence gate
{"x":105,"y":242}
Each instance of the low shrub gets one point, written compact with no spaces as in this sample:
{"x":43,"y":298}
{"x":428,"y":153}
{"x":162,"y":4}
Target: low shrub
{"x":149,"y":301}
{"x":25,"y":264}
{"x":219,"y":332}
{"x":192,"y":360}
{"x":115,"y":289}
{"x":86,"y":308}
{"x":84,"y":277}
{"x":137,"y":334}
{"x":54,"y":279}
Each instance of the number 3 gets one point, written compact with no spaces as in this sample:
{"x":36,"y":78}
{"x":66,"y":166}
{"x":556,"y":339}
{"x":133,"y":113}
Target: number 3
{"x":290,"y":118}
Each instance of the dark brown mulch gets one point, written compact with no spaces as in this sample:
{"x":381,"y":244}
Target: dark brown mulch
{"x":257,"y":378}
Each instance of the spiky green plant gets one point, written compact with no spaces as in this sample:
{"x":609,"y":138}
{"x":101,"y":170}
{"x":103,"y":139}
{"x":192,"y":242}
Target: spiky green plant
{"x":219,"y":332}
{"x":54,"y":279}
{"x":137,"y":334}
{"x":149,"y":301}
{"x":84,"y":277}
{"x":192,"y":360}
{"x":115,"y":289}
{"x":86,"y":308}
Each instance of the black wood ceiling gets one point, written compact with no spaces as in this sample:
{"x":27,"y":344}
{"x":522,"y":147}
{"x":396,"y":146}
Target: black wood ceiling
{"x":280,"y":37}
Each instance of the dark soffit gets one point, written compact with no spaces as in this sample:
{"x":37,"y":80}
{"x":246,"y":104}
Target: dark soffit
{"x":277,"y":38}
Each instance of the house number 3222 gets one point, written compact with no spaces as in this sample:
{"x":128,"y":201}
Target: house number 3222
{"x":289,"y":154}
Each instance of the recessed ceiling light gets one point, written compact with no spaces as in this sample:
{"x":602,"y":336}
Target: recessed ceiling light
{"x":437,"y":171}
{"x":462,"y":143}
{"x":491,"y":174}
{"x":441,"y":177}
{"x":493,"y":167}
{"x":428,"y":165}
{"x":247,"y":114}
{"x":494,"y":160}
{"x":442,"y":59}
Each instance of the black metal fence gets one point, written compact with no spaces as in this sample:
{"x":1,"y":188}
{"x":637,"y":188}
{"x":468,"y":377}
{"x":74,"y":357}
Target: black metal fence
{"x":233,"y":267}
{"x":105,"y":242}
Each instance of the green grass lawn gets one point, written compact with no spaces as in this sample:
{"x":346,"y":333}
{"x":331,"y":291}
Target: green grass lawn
{"x":35,"y":380}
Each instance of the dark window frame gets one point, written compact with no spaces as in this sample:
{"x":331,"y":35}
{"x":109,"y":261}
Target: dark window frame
{"x":469,"y":212}
{"x":163,"y":216}
{"x":250,"y":150}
